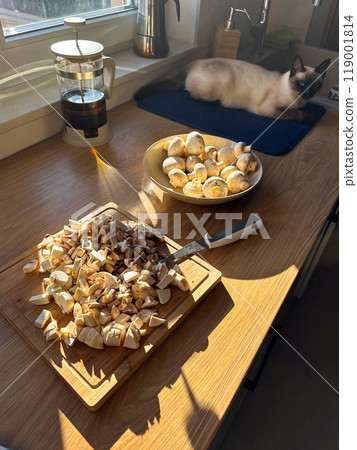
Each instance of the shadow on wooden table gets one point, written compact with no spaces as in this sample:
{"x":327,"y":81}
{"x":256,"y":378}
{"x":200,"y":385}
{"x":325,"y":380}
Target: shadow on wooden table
{"x":136,"y":404}
{"x":194,"y":419}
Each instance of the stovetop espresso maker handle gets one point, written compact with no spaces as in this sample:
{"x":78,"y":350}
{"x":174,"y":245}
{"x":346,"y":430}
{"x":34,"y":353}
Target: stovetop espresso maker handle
{"x":109,"y":74}
{"x":177,"y":2}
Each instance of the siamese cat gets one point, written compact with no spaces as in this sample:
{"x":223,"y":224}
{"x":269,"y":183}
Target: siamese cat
{"x":239,"y":84}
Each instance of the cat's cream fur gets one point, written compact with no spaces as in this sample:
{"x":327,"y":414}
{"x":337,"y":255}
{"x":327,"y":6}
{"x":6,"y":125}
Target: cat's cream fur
{"x":239,"y":84}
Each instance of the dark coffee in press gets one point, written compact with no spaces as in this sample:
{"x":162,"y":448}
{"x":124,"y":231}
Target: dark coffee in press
{"x":84,"y":110}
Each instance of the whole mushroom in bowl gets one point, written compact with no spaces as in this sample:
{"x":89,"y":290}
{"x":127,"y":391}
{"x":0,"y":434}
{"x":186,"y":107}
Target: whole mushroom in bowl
{"x":195,"y":145}
{"x":215,"y":187}
{"x":173,"y":162}
{"x":193,"y":188}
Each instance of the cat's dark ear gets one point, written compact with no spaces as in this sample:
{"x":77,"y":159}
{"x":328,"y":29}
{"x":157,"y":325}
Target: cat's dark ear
{"x":321,"y":68}
{"x":298,"y":66}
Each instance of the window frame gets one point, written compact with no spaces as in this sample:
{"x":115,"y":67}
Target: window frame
{"x":55,"y":23}
{"x":115,"y":32}
{"x":54,"y":32}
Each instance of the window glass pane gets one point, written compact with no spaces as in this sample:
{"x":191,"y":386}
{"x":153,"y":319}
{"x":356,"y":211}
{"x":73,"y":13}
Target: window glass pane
{"x":18,"y":16}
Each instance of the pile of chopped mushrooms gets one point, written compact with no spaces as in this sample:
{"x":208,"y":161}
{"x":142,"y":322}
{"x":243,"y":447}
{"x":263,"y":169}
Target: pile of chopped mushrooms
{"x":107,"y":275}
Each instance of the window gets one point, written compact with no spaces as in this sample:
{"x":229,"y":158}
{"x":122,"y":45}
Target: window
{"x":22,"y":16}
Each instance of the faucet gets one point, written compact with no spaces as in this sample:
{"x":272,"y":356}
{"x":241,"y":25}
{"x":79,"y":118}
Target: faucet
{"x":258,"y":30}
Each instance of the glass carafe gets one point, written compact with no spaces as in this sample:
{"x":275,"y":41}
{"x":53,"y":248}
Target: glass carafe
{"x":85,"y":78}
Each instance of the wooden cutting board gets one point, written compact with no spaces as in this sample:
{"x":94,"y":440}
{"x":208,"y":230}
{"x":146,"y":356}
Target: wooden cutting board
{"x":93,"y":374}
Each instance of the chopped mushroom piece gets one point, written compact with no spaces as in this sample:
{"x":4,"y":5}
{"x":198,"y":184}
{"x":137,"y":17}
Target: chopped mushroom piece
{"x":146,"y":275}
{"x":89,"y":320}
{"x":130,"y":308}
{"x":165,"y":281}
{"x":149,"y":302}
{"x":64,"y":300}
{"x":156,"y":321}
{"x":110,"y":281}
{"x":164,"y":295}
{"x":138,"y":322}
{"x":179,"y":280}
{"x":95,"y":287}
{"x":43,"y":318}
{"x":51,"y":290}
{"x":52,"y":325}
{"x":83,"y":334}
{"x":57,"y":252}
{"x":31,"y":266}
{"x":132,"y":338}
{"x":41,"y":299}
{"x":97,"y":256}
{"x":60,"y":278}
{"x":130,"y":276}
{"x":139,"y":303}
{"x":70,"y":334}
{"x":76,"y":266}
{"x":104,"y":317}
{"x":47,"y":264}
{"x":112,"y":335}
{"x":122,"y":318}
{"x":51,"y":331}
{"x":77,"y":310}
{"x":115,"y":313}
{"x":79,"y":293}
{"x":94,"y":339}
{"x":145,"y":314}
{"x":70,"y":341}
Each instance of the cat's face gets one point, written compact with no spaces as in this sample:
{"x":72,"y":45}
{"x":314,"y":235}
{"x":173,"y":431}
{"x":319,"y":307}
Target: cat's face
{"x":306,"y":81}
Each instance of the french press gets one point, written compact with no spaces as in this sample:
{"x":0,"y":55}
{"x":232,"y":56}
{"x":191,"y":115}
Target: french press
{"x":85,"y":79}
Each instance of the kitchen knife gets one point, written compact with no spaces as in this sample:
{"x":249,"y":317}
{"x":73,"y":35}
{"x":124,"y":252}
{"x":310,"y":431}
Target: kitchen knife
{"x":238,"y":230}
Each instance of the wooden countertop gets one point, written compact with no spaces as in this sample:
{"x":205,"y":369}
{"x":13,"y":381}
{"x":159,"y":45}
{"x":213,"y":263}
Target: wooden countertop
{"x":177,"y":398}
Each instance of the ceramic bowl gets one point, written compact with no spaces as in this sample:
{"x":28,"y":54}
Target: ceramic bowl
{"x":155,"y":155}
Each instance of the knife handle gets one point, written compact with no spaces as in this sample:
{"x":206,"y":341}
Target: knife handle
{"x":239,"y":230}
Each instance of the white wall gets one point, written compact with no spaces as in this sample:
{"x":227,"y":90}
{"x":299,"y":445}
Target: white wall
{"x":209,"y":12}
{"x":293,"y":14}
{"x":185,"y":30}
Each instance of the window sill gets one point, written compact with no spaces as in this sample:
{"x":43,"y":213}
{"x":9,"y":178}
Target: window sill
{"x":26,"y":119}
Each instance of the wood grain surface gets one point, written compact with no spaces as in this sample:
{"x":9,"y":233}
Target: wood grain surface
{"x":178,"y":397}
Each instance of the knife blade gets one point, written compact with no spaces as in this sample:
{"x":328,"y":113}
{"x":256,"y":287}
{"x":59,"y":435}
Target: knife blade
{"x":239,"y":230}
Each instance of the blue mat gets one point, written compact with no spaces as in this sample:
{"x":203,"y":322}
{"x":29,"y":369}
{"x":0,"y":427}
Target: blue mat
{"x":231,"y":123}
